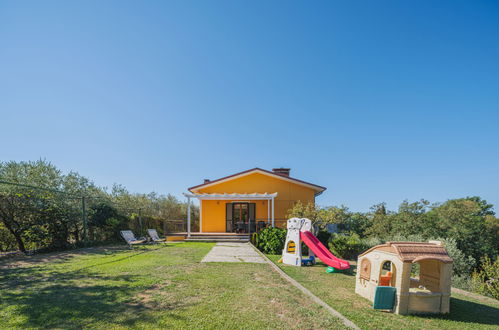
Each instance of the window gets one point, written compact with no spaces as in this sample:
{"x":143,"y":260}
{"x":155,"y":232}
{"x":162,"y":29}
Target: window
{"x":387,"y":274}
{"x":365,"y":269}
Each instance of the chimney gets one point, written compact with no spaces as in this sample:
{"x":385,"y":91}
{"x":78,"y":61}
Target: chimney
{"x":206,"y":180}
{"x":281,"y":171}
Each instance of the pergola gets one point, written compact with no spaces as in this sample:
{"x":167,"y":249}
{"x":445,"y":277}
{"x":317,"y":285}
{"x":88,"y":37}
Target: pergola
{"x":239,"y":197}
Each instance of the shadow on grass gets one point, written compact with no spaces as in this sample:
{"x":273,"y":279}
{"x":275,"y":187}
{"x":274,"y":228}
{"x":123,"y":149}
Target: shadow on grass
{"x":64,"y":256}
{"x":350,"y":271}
{"x":26,"y":277}
{"x":74,"y":299}
{"x":468,"y":312}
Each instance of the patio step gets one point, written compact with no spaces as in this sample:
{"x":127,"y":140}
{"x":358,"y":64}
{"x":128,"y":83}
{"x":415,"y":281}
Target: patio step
{"x":228,"y":240}
{"x":218,"y":238}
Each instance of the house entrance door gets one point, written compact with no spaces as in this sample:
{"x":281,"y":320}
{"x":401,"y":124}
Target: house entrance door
{"x":240,"y":217}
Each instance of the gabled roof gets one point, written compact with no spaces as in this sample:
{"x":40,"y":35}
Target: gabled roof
{"x":317,"y":188}
{"x":253,"y":196}
{"x":413,"y":251}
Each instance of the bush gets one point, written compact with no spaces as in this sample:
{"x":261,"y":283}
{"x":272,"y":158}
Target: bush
{"x":271,"y":240}
{"x":462,"y":264}
{"x":7,"y":241}
{"x":346,"y":246}
{"x":323,"y":236}
{"x":371,"y":242}
{"x":463,"y":282}
{"x":486,"y":281}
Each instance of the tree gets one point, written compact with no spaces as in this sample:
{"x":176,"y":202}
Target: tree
{"x":467,"y":220}
{"x":21,"y":206}
{"x":380,"y":221}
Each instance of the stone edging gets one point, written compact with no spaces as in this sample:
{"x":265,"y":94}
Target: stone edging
{"x":313,"y":297}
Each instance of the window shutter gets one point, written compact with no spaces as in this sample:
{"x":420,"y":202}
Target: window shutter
{"x":228,"y":211}
{"x":252,"y":211}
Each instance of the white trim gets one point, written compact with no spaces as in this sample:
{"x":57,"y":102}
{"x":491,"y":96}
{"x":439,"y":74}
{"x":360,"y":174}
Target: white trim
{"x":188,"y":216}
{"x":253,"y":196}
{"x":268,"y":210}
{"x":273,"y":220}
{"x":200,"y":216}
{"x":261,"y":172}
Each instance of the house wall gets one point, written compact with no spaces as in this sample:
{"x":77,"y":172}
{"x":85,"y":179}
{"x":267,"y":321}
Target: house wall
{"x":288,"y":193}
{"x":213,"y":216}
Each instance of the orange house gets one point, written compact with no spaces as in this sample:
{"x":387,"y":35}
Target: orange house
{"x":250,"y":200}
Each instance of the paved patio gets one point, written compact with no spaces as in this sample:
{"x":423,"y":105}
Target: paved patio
{"x":233,"y":252}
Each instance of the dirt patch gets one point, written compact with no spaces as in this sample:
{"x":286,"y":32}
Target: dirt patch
{"x":27,"y":260}
{"x":475,"y":296}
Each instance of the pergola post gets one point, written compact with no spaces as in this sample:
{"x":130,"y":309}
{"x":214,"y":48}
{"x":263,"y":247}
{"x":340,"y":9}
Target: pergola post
{"x":273,"y":220}
{"x":268,"y":210}
{"x":188,"y":216}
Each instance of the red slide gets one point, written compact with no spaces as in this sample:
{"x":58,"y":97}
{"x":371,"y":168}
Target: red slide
{"x":322,"y":252}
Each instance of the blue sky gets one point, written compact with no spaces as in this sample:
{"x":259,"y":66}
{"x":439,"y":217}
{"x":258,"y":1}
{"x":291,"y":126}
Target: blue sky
{"x":376,"y":100}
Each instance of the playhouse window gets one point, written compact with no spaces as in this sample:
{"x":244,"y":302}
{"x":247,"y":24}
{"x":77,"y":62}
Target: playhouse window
{"x":425,"y":276}
{"x":387,"y":274}
{"x":291,"y":248}
{"x":365,"y":269}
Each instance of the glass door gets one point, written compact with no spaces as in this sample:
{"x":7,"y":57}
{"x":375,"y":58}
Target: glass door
{"x":240,"y":217}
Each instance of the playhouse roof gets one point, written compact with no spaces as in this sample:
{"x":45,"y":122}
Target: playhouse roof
{"x":414,"y":251}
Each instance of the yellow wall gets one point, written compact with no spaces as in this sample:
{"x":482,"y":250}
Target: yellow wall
{"x":288,"y":193}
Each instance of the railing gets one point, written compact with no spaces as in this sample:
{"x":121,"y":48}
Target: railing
{"x":253,"y":225}
{"x":180,"y":226}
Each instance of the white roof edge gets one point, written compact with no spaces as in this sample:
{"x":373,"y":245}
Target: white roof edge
{"x":232,"y":196}
{"x":312,"y":186}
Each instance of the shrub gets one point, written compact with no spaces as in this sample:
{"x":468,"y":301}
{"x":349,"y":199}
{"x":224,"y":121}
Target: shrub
{"x":7,"y":241}
{"x":462,"y":264}
{"x":486,"y":281}
{"x":346,"y":246}
{"x":271,"y":240}
{"x":323,"y":236}
{"x":463,"y":282}
{"x":371,"y":241}
{"x":254,"y":239}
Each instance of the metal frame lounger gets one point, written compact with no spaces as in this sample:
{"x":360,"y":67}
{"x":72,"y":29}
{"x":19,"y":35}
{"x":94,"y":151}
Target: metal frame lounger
{"x":130,"y":239}
{"x":155,"y":237}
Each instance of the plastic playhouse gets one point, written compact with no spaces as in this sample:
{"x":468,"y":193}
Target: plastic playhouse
{"x":298,"y":232}
{"x":384,"y":277}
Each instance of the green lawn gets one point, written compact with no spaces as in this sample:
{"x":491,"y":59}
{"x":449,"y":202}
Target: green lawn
{"x":338,"y":290}
{"x":149,"y":287}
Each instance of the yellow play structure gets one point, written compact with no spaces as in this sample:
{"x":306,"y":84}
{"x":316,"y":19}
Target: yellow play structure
{"x":406,"y":277}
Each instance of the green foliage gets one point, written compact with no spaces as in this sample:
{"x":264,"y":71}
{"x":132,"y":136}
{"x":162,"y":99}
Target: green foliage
{"x":43,"y":209}
{"x":105,"y":221}
{"x":323,"y":236}
{"x":271,"y":240}
{"x":254,"y":239}
{"x":346,"y":246}
{"x":486,"y":281}
{"x":310,"y":211}
{"x":7,"y":241}
{"x":465,"y":220}
{"x":462,"y":265}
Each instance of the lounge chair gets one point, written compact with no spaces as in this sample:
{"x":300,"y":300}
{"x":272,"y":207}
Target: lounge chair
{"x":155,"y":237}
{"x":130,"y":239}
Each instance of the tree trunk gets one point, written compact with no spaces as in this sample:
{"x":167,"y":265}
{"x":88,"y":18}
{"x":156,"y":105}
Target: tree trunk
{"x":20,"y":243}
{"x":17,"y":236}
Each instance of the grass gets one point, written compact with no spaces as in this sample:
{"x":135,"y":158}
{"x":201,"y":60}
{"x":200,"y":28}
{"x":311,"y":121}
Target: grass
{"x":149,"y":287}
{"x":338,"y":290}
